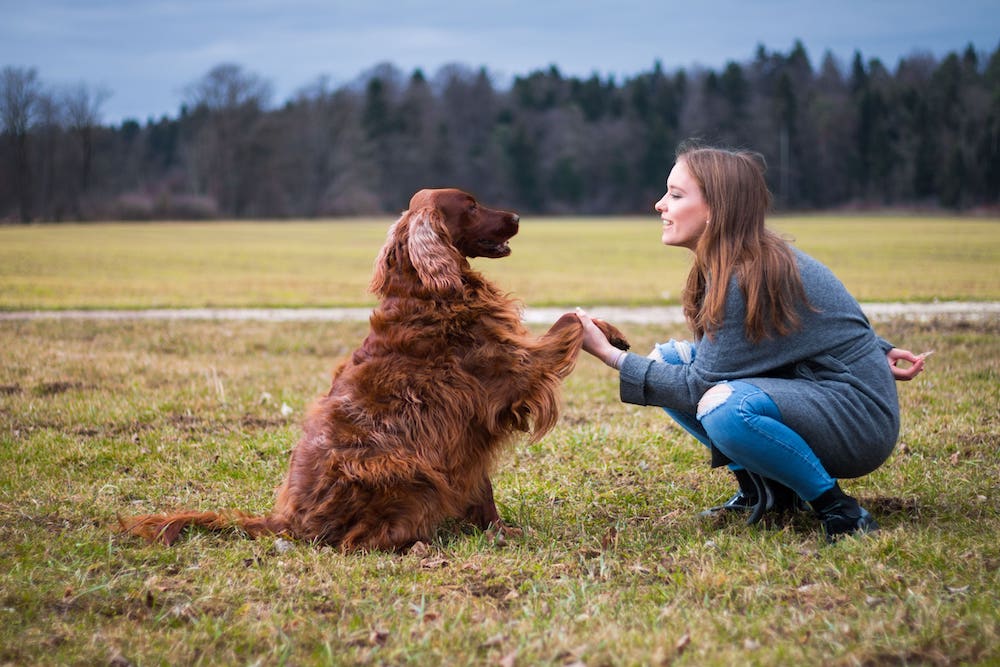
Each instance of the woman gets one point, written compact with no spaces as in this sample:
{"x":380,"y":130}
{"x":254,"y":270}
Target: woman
{"x":786,"y":382}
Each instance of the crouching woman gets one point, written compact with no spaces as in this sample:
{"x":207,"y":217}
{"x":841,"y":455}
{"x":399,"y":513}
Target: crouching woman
{"x":785,"y":382}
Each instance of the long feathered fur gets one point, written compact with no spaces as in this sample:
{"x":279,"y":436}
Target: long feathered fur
{"x":414,"y":420}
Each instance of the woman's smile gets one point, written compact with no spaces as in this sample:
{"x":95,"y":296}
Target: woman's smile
{"x":682,"y":209}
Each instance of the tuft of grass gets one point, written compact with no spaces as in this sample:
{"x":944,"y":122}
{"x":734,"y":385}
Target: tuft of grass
{"x":241,"y":264}
{"x":99,"y":419}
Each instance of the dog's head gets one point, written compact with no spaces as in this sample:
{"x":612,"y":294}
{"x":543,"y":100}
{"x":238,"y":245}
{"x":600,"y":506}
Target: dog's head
{"x":436,"y":233}
{"x":473,"y":229}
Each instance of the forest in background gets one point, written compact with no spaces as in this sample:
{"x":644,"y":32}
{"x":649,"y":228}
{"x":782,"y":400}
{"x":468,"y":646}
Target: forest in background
{"x":924,"y":135}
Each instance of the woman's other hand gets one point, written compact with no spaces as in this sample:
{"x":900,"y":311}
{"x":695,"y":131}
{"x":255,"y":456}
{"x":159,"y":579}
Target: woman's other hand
{"x":896,"y":355}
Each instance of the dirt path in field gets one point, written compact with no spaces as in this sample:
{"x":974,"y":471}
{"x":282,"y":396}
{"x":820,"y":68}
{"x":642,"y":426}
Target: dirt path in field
{"x":978,"y":311}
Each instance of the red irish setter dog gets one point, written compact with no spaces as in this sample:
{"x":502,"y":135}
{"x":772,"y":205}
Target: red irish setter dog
{"x":409,"y":431}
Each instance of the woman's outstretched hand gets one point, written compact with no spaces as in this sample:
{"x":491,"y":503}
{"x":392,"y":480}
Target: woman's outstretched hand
{"x":916,"y":367}
{"x":594,"y":340}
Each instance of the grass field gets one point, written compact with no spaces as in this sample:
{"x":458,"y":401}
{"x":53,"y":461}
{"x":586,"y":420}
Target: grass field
{"x":555,"y":262}
{"x":615,"y":567}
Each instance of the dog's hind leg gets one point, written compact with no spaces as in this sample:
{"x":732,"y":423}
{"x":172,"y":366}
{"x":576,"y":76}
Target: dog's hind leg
{"x":166,"y":528}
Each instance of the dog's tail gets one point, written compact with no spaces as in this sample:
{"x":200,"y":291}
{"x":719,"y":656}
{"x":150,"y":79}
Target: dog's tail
{"x":166,"y":528}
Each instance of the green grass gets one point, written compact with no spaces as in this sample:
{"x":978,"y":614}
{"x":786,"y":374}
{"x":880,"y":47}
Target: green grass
{"x":615,"y":567}
{"x":105,"y":418}
{"x":614,"y":261}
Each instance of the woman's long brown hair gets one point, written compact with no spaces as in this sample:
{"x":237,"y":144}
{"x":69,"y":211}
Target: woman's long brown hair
{"x":736,"y":240}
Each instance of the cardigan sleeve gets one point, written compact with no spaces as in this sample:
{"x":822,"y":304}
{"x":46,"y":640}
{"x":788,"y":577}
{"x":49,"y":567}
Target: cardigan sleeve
{"x":647,"y":382}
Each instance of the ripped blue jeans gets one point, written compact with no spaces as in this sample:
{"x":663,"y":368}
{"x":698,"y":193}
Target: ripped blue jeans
{"x":743,"y":423}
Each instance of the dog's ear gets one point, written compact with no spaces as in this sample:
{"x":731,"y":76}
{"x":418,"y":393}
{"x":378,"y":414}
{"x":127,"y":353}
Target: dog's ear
{"x":387,"y":256}
{"x":437,"y":262}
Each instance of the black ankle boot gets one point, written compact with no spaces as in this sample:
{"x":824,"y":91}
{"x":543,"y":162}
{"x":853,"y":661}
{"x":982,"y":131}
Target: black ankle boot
{"x":842,"y":515}
{"x":773,"y":498}
{"x":784,"y":499}
{"x":744,"y":500}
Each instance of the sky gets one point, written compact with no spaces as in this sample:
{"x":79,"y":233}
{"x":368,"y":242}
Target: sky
{"x":146,"y":53}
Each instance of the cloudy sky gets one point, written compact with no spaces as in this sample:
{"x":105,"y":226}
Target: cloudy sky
{"x":146,"y":52}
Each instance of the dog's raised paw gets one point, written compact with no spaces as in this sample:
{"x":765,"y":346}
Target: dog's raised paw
{"x":620,"y":343}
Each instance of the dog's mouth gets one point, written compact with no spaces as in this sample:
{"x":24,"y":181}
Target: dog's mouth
{"x":493,"y":248}
{"x":493,"y":240}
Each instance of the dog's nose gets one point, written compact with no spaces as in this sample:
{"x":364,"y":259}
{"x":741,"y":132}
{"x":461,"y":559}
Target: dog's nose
{"x":515,"y":218}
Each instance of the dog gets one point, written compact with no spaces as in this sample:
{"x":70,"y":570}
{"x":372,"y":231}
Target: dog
{"x":411,"y":427}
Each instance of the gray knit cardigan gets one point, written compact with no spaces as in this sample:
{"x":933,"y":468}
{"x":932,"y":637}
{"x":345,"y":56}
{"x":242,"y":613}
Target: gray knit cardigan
{"x":830,"y":378}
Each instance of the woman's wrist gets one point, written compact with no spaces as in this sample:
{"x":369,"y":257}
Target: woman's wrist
{"x":616,"y":358}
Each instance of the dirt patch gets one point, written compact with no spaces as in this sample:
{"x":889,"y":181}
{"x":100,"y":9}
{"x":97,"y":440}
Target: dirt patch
{"x":56,"y":388}
{"x":888,"y":505}
{"x":196,"y":424}
{"x":114,"y":429}
{"x":250,"y":422}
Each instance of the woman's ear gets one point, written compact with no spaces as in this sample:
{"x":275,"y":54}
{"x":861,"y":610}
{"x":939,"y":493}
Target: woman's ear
{"x":437,"y":263}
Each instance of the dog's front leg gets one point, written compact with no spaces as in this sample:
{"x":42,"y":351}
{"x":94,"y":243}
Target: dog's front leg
{"x":485,"y":516}
{"x":483,"y":513}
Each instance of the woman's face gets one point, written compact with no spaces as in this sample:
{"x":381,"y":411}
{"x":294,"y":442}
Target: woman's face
{"x":682,"y":209}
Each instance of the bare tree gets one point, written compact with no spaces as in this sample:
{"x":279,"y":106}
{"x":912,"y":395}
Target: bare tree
{"x":53,"y":193}
{"x":228,"y":87}
{"x":82,"y":105}
{"x":231,"y":102}
{"x":19,"y":94}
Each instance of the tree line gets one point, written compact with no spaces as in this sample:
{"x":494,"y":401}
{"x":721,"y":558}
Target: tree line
{"x":926,"y":134}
